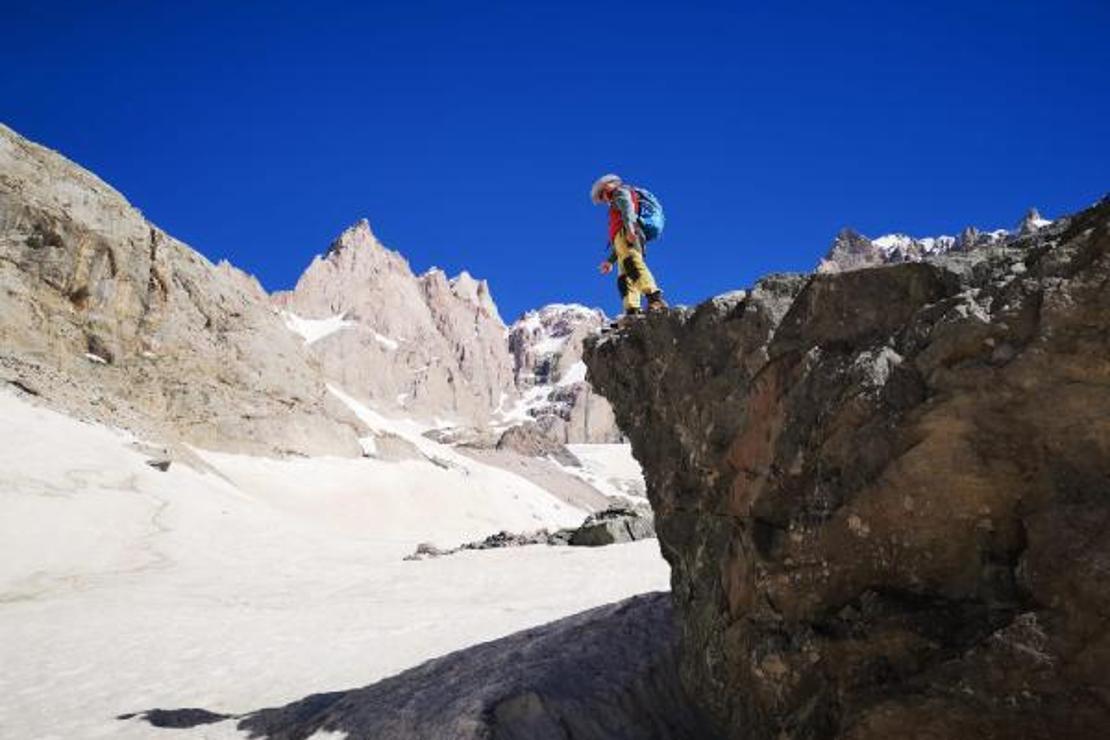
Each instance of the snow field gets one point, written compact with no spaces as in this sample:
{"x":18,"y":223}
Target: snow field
{"x":256,"y":582}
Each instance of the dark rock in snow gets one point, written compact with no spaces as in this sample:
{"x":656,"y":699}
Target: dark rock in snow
{"x":884,"y":493}
{"x":606,"y":673}
{"x":614,"y":525}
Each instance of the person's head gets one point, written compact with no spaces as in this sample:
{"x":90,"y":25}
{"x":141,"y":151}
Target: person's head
{"x":604,"y":187}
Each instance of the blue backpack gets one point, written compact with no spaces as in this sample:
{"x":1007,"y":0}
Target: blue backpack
{"x":650,"y":212}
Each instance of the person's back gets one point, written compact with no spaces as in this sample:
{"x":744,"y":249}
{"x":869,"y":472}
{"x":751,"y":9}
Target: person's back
{"x":627,"y":239}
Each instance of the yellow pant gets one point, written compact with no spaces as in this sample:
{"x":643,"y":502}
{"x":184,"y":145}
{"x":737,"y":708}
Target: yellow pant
{"x":634,"y":279}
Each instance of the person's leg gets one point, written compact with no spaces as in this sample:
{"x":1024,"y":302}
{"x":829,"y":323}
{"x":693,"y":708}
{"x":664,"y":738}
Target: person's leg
{"x":639,"y":276}
{"x":627,"y":283}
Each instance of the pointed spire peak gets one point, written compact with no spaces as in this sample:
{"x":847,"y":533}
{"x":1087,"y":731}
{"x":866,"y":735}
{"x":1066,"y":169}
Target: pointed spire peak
{"x":356,"y":236}
{"x":1032,"y":222}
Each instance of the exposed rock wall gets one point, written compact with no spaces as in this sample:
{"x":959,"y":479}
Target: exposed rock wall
{"x":425,"y":345}
{"x":885,"y":494}
{"x":108,"y":317}
{"x":546,"y":347}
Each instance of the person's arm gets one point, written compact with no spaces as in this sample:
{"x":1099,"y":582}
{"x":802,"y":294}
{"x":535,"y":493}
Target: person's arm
{"x":622,"y":201}
{"x":607,"y":266}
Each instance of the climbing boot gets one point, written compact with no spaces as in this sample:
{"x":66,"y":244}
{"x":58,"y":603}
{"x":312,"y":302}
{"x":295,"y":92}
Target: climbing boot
{"x":655,"y":301}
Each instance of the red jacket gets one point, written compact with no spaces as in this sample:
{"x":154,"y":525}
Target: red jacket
{"x":623,"y":209}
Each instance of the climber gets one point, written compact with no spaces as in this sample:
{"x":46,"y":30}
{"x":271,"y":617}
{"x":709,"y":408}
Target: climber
{"x":635,"y":218}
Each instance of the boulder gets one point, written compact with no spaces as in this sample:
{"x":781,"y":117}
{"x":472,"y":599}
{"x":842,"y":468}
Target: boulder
{"x":530,"y":440}
{"x":884,"y":493}
{"x":616,"y":524}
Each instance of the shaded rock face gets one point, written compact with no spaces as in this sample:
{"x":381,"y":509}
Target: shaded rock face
{"x":619,"y":523}
{"x":885,"y":493}
{"x":546,"y":348}
{"x":605,"y":673}
{"x":431,"y":346}
{"x":109,"y":318}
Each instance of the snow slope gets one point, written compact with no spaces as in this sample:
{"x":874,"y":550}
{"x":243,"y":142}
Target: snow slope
{"x":611,"y":469}
{"x":255,"y":582}
{"x":313,"y":330}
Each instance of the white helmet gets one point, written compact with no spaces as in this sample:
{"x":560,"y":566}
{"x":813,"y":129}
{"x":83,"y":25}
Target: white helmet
{"x":599,"y":185}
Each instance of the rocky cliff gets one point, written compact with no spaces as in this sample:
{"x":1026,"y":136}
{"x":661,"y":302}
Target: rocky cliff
{"x":426,"y":345}
{"x":108,"y":317}
{"x":546,"y":347}
{"x":884,"y":493}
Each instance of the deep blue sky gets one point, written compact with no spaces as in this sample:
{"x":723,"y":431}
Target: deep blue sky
{"x":469,"y":133}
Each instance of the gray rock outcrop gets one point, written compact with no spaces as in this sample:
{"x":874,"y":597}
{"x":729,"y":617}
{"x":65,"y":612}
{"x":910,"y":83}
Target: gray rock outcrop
{"x":531,"y":441}
{"x":617,"y":523}
{"x":884,"y":493}
{"x":107,"y":317}
{"x":614,"y":525}
{"x":605,"y":673}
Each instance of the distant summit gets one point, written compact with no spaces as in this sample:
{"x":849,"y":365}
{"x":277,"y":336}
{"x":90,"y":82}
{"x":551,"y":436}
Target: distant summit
{"x":852,"y":251}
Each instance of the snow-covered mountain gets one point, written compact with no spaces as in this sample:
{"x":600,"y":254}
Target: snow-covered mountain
{"x":851,"y":250}
{"x":546,"y":347}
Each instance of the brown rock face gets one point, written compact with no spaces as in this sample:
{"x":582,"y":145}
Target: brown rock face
{"x":885,"y":493}
{"x":108,"y":317}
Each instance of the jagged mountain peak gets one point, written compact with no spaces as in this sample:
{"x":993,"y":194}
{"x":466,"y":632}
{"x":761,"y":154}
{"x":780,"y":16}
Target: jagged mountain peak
{"x":358,"y":234}
{"x":851,"y":250}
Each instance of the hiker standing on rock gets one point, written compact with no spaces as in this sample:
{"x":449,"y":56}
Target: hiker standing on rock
{"x":635,"y":218}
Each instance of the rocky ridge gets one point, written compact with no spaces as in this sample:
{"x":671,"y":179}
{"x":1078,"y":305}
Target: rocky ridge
{"x":852,"y":251}
{"x":111,"y":319}
{"x":883,"y":492}
{"x":425,"y":345}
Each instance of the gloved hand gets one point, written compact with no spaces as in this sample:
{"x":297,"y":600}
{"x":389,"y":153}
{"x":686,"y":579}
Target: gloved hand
{"x":605,"y":267}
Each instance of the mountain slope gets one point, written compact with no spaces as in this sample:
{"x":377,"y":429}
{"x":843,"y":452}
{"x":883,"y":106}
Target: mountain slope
{"x":423,"y":345}
{"x":110,"y":318}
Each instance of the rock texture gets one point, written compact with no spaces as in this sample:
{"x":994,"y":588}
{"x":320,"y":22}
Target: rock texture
{"x":531,"y":441}
{"x":546,"y":347}
{"x":885,"y":493}
{"x":109,"y":318}
{"x":618,"y":523}
{"x":428,"y":345}
{"x":602,"y":674}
